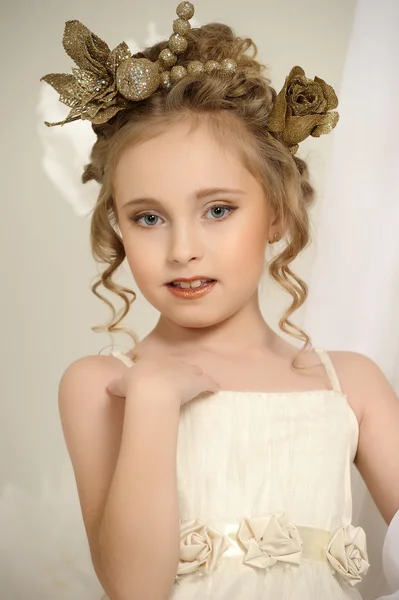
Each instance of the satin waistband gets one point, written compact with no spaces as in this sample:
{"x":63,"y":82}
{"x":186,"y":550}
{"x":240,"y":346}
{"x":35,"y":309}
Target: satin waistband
{"x":261,"y":541}
{"x":314,"y":547}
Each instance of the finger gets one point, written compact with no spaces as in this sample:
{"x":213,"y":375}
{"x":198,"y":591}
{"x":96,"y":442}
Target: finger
{"x":114,"y":388}
{"x":212,"y":385}
{"x":196,"y":368}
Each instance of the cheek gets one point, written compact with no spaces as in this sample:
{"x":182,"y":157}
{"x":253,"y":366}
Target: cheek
{"x":142,"y":262}
{"x":246,"y":247}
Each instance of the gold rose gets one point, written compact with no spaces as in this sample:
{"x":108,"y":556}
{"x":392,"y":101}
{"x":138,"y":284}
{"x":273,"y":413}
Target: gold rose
{"x":302,"y":108}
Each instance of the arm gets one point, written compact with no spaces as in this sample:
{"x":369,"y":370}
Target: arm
{"x":139,"y":535}
{"x":124,"y":460}
{"x":377,"y":457}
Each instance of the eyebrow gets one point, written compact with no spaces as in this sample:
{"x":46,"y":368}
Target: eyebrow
{"x":199,"y":195}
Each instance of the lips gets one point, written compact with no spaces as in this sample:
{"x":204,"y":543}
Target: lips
{"x":190,"y":292}
{"x":189,"y":280}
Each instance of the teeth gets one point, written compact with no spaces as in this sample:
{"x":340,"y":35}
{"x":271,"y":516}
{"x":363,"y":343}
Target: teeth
{"x":189,"y":284}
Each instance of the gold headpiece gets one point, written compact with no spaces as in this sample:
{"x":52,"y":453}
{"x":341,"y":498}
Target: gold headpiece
{"x":106,"y":82}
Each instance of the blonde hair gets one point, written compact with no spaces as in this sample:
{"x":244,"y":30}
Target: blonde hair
{"x":236,"y":107}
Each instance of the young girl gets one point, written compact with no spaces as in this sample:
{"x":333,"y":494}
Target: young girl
{"x":219,"y":465}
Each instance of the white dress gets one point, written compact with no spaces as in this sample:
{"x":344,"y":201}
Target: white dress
{"x":265,"y":496}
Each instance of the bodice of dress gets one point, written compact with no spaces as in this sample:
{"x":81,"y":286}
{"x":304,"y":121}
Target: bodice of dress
{"x":265,"y":495}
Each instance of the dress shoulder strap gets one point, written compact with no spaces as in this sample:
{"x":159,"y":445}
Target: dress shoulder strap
{"x":125,"y":359}
{"x":330,"y":369}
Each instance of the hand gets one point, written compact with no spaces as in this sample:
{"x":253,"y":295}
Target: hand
{"x":164,"y":372}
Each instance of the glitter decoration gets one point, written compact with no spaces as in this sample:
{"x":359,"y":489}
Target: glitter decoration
{"x":181,"y":26}
{"x":177,"y":73}
{"x":90,"y":91}
{"x":185,"y":10}
{"x":195,"y":67}
{"x":106,"y":81}
{"x":212,"y":65}
{"x":137,"y":78}
{"x":229,"y":65}
{"x":303,"y":107}
{"x":160,"y":66}
{"x":165,"y":79}
{"x":167,"y":58}
{"x":178,"y":44}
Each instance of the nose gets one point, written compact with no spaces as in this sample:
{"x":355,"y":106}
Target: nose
{"x":185,"y":244}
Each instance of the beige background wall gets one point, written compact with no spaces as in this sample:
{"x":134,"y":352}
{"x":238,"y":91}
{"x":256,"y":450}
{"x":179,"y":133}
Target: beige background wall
{"x":47,"y":307}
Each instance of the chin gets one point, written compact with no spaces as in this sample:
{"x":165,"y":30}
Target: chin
{"x":197,"y":322}
{"x":202,"y":318}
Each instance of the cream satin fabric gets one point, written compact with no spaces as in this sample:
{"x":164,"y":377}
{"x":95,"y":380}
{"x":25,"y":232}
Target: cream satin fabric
{"x":264,"y":491}
{"x":263,"y":541}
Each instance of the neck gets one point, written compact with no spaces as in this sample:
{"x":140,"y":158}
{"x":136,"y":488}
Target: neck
{"x":245,"y":330}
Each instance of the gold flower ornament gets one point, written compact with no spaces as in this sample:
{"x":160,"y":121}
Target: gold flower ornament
{"x":91,"y":91}
{"x":107,"y":81}
{"x":303,"y":107}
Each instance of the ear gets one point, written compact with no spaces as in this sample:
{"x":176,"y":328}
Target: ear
{"x":276,"y":223}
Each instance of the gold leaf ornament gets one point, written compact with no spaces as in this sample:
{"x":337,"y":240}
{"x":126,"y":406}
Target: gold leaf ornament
{"x":91,"y":91}
{"x":303,"y":107}
{"x":105,"y":81}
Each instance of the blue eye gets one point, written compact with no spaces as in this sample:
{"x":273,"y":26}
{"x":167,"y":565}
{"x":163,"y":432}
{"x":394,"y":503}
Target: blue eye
{"x":137,"y":218}
{"x":150,"y":216}
{"x":230,"y":209}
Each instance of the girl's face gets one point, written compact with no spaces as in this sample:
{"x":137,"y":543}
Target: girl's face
{"x":188,"y":207}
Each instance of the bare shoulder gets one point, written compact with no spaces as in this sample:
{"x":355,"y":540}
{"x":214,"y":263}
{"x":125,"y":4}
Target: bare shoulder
{"x":362,"y":380}
{"x":84,"y":382}
{"x":377,"y":457}
{"x":85,"y":365}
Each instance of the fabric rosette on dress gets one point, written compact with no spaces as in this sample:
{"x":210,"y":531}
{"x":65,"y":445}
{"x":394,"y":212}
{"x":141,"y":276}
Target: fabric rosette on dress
{"x":201,"y":547}
{"x":264,"y":540}
{"x":268,"y":539}
{"x":347,"y":554}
